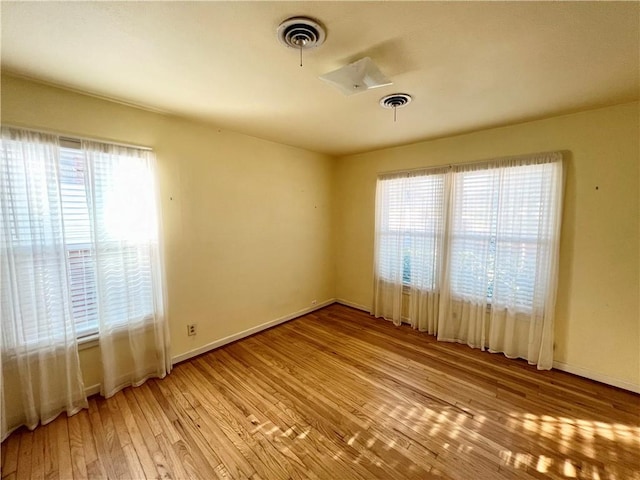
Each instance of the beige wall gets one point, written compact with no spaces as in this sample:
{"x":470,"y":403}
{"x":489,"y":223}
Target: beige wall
{"x":254,"y":231}
{"x":247,"y":222}
{"x":597,"y":316}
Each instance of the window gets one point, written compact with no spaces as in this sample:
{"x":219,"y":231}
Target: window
{"x":495,"y":233}
{"x":94,"y":202}
{"x":118,"y":233}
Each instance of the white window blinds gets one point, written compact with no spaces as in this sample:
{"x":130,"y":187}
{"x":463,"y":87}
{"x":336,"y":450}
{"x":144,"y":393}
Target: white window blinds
{"x":100,"y":209}
{"x":125,"y":232}
{"x":410,"y":218}
{"x":78,"y":245}
{"x":499,"y":232}
{"x":32,"y":259}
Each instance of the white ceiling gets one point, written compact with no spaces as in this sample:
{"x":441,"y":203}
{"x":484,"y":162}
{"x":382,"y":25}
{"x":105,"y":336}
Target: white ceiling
{"x":468,"y":65}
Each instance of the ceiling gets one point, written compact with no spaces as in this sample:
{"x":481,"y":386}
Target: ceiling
{"x":468,"y":65}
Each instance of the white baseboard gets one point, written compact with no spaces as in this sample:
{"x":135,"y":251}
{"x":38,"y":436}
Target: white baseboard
{"x":598,"y":377}
{"x":353,"y":305}
{"x":245,"y":333}
{"x":92,"y":390}
{"x":565,"y":367}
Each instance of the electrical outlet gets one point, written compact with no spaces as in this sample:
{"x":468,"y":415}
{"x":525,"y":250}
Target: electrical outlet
{"x":191,"y":329}
{"x":314,"y":302}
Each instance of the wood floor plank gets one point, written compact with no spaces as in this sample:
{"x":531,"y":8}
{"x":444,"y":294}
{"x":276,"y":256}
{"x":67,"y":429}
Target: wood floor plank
{"x":393,"y":435}
{"x":96,"y":470}
{"x":88,"y":443}
{"x":51,"y":457}
{"x":134,"y":467}
{"x":175,"y":465}
{"x":136,"y":439}
{"x":10,"y":447}
{"x":107,"y":461}
{"x":65,"y":469}
{"x":146,"y":437}
{"x":337,"y":394}
{"x":24,"y":456}
{"x":78,"y":461}
{"x":37,"y":454}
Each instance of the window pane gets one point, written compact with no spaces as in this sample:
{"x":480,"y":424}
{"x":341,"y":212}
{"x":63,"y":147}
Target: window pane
{"x":77,"y":229}
{"x":106,"y":207}
{"x":522,"y":237}
{"x":473,"y":233}
{"x":125,"y":232}
{"x":409,"y":229}
{"x":496,"y":233}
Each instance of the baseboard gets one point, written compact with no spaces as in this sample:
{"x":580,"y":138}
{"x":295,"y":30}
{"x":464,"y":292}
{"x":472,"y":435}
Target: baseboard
{"x":565,"y":367}
{"x":92,"y":390}
{"x":598,"y":377}
{"x":245,"y":333}
{"x":352,"y":305}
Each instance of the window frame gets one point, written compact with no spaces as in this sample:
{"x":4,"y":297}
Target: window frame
{"x":493,"y":236}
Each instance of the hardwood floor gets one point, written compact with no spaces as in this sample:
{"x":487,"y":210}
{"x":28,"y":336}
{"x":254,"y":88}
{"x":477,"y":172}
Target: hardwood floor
{"x":338,"y":395}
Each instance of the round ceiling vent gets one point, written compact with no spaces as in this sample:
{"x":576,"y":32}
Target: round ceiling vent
{"x":301,"y":33}
{"x":395,"y":100}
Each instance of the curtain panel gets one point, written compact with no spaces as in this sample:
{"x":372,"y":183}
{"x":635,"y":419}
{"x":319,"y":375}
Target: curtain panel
{"x":409,"y":241}
{"x":41,"y":375}
{"x":493,"y":264}
{"x":81,"y":255}
{"x":124,"y":226}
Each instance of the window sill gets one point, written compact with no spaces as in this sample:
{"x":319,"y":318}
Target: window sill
{"x":90,"y":341}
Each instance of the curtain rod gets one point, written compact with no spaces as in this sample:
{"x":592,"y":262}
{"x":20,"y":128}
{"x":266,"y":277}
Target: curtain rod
{"x":76,"y":138}
{"x":474,"y":162}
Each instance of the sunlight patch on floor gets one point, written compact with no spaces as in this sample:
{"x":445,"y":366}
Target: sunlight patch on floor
{"x":448,"y":431}
{"x":543,"y":464}
{"x":598,"y":441}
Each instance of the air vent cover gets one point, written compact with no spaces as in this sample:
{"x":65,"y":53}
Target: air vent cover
{"x":301,"y":33}
{"x":395,"y":100}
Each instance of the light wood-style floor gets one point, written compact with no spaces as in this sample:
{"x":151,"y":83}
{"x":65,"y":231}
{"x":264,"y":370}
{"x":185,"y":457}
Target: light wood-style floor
{"x":338,"y":395}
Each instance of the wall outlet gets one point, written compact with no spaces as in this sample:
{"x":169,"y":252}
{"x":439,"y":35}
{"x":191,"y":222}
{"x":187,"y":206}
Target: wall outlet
{"x":314,"y":302}
{"x":191,"y":329}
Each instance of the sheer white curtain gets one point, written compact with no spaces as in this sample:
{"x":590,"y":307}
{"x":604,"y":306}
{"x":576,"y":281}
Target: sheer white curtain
{"x":471,"y":253}
{"x":39,"y":359}
{"x":124,"y":222}
{"x":469,"y":261}
{"x":503,"y":254}
{"x":409,"y":246}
